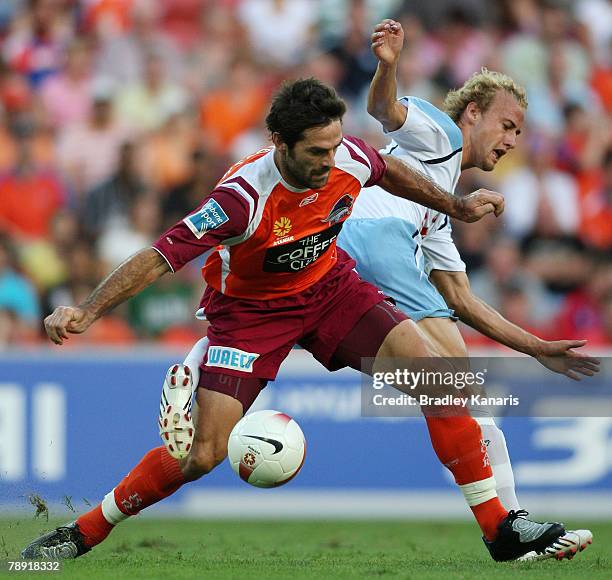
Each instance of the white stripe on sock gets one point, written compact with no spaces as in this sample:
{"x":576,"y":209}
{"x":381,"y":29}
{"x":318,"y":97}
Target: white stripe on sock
{"x":479,"y":491}
{"x":112,"y":514}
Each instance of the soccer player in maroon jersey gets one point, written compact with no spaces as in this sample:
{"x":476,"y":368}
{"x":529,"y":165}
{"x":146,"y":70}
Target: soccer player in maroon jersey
{"x":275,"y":279}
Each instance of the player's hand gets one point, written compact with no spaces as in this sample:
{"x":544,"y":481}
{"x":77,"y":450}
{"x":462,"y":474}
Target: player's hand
{"x":560,"y":357}
{"x":387,"y":41}
{"x":66,"y":320}
{"x":472,"y":207}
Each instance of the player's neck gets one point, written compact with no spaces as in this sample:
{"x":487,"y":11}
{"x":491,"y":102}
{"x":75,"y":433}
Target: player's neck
{"x":288,"y":177}
{"x":466,"y":153}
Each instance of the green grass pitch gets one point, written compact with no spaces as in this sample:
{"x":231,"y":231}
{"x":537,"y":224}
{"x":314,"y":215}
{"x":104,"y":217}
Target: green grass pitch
{"x":150,"y":548}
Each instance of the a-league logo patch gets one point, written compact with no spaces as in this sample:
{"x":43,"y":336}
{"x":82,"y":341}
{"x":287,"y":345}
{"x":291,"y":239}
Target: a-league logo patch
{"x":231,"y":358}
{"x":209,"y":217}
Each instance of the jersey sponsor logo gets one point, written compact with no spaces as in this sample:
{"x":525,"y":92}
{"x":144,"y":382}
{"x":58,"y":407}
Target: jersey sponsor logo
{"x":282,"y":227}
{"x":309,"y":199}
{"x":209,"y":217}
{"x":296,"y":255}
{"x":283,"y":240}
{"x":341,"y":209}
{"x":227,"y":357}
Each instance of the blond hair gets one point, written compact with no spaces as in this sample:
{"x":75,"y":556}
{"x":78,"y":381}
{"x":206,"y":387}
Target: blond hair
{"x":481,"y":88}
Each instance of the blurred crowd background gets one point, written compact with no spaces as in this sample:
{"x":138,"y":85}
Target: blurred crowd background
{"x":118,"y":116}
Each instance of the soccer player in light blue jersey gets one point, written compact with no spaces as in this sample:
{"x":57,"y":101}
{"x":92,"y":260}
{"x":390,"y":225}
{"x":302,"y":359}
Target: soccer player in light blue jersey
{"x":407,"y":250}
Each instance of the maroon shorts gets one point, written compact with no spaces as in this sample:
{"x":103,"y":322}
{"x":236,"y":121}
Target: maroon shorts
{"x":249,"y":339}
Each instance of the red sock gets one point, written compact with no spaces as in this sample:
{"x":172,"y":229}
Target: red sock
{"x":94,"y":526}
{"x":157,"y":476}
{"x":457,"y":441}
{"x":488,"y":515}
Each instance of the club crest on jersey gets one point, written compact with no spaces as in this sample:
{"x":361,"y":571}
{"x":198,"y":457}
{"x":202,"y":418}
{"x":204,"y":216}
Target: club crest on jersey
{"x":209,"y":217}
{"x":341,"y":209}
{"x":282,"y":227}
{"x":231,"y":358}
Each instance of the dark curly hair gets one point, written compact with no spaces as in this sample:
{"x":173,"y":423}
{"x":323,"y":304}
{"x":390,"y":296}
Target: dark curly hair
{"x":300,"y":105}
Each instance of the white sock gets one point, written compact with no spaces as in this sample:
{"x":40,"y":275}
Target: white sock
{"x":194,"y":358}
{"x":500,"y":462}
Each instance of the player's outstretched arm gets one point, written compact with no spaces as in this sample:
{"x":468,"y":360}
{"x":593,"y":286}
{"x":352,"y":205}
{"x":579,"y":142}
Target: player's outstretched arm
{"x":557,"y":355}
{"x":132,"y":276}
{"x":387,"y":42}
{"x":402,"y":180}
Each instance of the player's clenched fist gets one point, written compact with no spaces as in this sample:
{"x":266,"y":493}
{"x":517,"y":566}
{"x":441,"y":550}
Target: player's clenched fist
{"x":476,"y":205}
{"x":64,"y":320}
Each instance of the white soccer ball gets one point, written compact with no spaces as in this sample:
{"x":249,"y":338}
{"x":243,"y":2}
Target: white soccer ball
{"x":266,"y":448}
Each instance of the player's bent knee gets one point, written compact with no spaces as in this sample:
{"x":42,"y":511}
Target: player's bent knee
{"x":203,"y":459}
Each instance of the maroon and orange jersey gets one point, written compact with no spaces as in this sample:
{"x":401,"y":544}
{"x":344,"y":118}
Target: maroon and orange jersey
{"x":266,"y":239}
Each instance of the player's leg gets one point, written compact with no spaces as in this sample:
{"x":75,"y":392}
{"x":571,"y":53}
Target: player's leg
{"x":250,"y":341}
{"x":444,"y":334}
{"x":383,"y":249}
{"x":176,"y":412}
{"x":345,"y":332}
{"x":399,"y":274}
{"x":154,"y":478}
{"x":384,"y":331}
{"x":455,"y":435}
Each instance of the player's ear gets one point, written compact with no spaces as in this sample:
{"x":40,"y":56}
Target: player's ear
{"x":279,"y":143}
{"x":472,"y":112}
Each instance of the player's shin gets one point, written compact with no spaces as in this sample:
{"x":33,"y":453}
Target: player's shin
{"x":457,"y":440}
{"x":157,"y":476}
{"x":500,"y":462}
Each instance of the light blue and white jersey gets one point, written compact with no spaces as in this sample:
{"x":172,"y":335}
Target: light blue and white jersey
{"x":431,"y":142}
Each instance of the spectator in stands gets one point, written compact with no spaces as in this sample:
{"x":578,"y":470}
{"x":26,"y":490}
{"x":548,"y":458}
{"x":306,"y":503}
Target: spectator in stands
{"x":165,"y":307}
{"x":44,"y":260}
{"x":67,"y":97}
{"x":185,"y":197}
{"x":235,"y":106}
{"x":550,"y":94}
{"x":596,"y":205}
{"x":16,"y":94}
{"x":122,"y":56}
{"x":19,"y":306}
{"x":561,"y":263}
{"x":121,"y":239}
{"x":540,"y":199}
{"x":29,"y":194}
{"x":89,"y":152}
{"x":586,"y":311}
{"x":504,"y":269}
{"x":110,"y":201}
{"x":526,"y":55}
{"x":36,"y":42}
{"x":147,"y":104}
{"x":164,"y":154}
{"x":353,"y":52}
{"x":281,"y":32}
{"x":464,"y":46}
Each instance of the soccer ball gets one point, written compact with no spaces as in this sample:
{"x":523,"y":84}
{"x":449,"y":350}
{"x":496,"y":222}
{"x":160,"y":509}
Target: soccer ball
{"x":266,"y":448}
